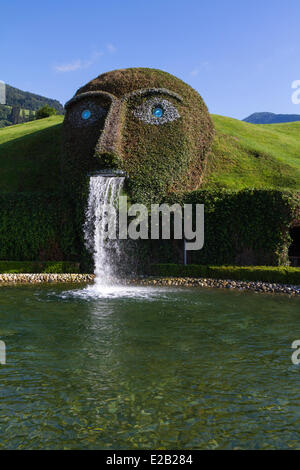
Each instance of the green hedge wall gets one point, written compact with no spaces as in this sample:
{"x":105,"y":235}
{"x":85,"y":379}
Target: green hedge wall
{"x":38,"y":227}
{"x":283,"y":275}
{"x":249,"y":227}
{"x":56,"y":267}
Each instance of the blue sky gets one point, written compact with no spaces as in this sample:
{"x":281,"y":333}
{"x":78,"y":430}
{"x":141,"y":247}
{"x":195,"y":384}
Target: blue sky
{"x":242,"y":56}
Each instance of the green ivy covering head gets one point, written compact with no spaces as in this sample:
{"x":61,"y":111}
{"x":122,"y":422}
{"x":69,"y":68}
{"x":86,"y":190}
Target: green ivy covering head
{"x":143,"y":121}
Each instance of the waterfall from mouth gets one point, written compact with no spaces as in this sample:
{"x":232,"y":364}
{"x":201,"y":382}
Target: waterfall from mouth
{"x":101,"y":217}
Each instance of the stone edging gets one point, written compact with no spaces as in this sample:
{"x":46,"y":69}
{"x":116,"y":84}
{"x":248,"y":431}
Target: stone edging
{"x":44,"y":278}
{"x":153,"y":281}
{"x":259,"y":286}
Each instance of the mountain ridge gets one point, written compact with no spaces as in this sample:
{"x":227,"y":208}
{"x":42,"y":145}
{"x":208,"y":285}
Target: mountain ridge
{"x":271,"y":118}
{"x":21,"y":106}
{"x":27,"y":100}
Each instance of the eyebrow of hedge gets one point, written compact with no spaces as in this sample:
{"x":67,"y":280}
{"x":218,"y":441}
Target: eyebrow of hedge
{"x":88,"y":94}
{"x":153,"y":91}
{"x":142,"y":92}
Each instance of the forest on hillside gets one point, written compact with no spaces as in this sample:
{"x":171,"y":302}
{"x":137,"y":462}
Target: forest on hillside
{"x":21,"y":106}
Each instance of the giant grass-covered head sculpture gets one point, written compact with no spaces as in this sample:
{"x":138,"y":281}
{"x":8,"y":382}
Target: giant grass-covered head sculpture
{"x":145,"y":122}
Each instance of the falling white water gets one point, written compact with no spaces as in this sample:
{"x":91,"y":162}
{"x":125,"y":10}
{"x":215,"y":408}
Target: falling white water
{"x":100,"y":228}
{"x":104,"y":193}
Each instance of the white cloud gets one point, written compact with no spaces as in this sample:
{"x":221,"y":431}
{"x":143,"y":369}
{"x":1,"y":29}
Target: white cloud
{"x":204,"y":66}
{"x":195,"y":72}
{"x":111,"y":48}
{"x":69,"y":67}
{"x":78,"y":64}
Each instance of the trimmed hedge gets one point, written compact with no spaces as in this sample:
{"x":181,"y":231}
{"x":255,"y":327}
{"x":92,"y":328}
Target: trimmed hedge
{"x":33,"y":267}
{"x":282,"y":275}
{"x":38,"y":227}
{"x":158,"y":158}
{"x":249,"y":227}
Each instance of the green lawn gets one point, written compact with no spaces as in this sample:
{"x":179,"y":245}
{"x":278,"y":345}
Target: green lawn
{"x":243,"y":155}
{"x":258,"y":156}
{"x":30,"y":155}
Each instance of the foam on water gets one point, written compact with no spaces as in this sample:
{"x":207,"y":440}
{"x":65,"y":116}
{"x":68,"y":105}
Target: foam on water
{"x":98,"y":291}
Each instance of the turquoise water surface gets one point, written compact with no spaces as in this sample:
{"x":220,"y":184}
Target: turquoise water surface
{"x":148,"y":369}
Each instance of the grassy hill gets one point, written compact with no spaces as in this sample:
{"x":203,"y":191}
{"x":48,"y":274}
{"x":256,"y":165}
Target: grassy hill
{"x":243,"y":155}
{"x":29,"y":155}
{"x":257,"y":156}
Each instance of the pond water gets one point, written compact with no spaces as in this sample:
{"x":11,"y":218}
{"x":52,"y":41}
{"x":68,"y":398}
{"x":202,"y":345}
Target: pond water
{"x":147,"y":368}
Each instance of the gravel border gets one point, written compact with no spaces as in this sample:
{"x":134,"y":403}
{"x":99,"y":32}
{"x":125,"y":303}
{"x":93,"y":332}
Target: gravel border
{"x":263,"y":287}
{"x":259,"y":286}
{"x":44,"y":278}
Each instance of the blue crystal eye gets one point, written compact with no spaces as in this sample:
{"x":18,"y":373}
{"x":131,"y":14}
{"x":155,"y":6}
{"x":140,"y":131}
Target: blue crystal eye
{"x":158,"y":111}
{"x":86,"y":114}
